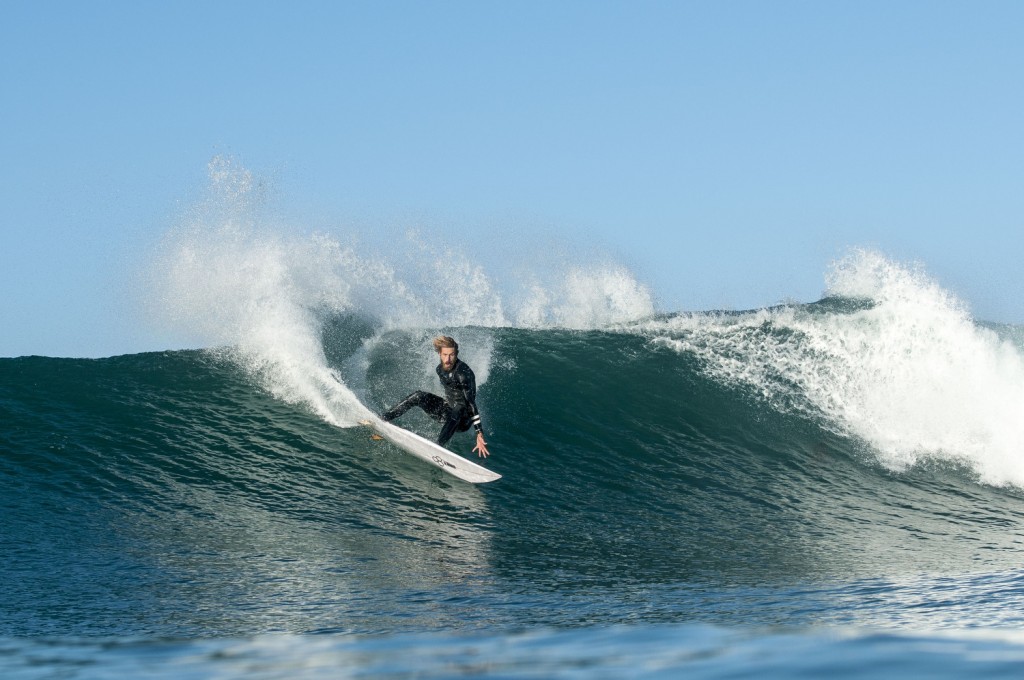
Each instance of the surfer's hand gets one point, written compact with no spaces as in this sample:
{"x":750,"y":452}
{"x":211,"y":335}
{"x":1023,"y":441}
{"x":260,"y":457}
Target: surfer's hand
{"x":481,"y":446}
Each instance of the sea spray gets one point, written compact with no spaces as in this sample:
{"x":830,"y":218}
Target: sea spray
{"x":585,"y":299}
{"x":888,"y":357}
{"x":254,"y":296}
{"x":260,"y":292}
{"x":927,"y":380}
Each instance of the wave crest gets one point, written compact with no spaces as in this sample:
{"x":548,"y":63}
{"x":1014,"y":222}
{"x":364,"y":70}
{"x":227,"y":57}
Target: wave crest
{"x":905,"y":369}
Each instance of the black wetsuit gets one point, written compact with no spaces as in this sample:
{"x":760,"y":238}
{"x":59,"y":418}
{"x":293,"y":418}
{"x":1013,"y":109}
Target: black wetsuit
{"x":457,"y":411}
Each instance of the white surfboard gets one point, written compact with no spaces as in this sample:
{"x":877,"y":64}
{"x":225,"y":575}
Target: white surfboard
{"x":431,"y":452}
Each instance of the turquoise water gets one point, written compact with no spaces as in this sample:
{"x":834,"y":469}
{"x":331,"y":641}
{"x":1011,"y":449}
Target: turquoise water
{"x":778,"y":493}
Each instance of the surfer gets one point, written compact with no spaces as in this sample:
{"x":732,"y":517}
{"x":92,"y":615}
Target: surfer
{"x":457,"y":411}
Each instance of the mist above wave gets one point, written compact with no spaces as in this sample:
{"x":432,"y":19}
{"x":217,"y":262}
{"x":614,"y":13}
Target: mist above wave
{"x":231,"y":277}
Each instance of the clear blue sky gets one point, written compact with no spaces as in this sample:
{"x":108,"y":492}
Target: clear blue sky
{"x":725,"y":151}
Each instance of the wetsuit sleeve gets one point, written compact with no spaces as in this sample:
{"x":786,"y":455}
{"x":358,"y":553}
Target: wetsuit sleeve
{"x":469,"y":391}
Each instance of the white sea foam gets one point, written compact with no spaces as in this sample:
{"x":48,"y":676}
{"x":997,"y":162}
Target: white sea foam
{"x":908,"y":372}
{"x":232,"y":278}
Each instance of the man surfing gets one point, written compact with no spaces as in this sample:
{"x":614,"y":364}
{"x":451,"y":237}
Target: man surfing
{"x":457,"y":411}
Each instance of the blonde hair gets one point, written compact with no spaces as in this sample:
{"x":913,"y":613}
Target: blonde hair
{"x":445,"y":341}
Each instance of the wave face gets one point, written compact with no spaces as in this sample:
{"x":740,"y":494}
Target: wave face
{"x":690,"y":466}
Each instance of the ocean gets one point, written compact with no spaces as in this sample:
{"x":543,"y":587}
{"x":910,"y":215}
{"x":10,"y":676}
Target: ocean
{"x":833,"y":488}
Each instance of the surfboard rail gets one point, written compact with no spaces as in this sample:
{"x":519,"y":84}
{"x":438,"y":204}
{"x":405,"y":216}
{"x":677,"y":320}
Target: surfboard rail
{"x":431,"y":452}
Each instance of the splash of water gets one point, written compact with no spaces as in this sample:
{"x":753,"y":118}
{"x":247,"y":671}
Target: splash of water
{"x":231,"y":278}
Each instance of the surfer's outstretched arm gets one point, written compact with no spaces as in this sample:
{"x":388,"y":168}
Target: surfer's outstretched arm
{"x":469,"y":394}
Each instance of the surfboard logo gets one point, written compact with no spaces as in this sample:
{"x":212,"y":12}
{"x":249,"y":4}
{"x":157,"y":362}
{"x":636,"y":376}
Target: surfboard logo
{"x":442,"y":462}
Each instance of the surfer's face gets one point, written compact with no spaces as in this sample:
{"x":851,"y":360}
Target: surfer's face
{"x":448,"y":355}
